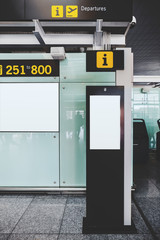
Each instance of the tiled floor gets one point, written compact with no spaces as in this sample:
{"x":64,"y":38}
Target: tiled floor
{"x":147,"y":195}
{"x":59,"y":217}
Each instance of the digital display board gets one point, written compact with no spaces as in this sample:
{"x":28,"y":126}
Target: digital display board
{"x":81,"y":10}
{"x":29,"y":68}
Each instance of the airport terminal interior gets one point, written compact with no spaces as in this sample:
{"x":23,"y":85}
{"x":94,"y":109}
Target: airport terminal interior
{"x":61,"y":177}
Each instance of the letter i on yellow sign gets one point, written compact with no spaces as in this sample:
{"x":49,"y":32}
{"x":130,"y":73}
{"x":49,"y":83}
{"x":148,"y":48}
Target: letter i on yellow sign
{"x":105,"y":59}
{"x":57,"y":11}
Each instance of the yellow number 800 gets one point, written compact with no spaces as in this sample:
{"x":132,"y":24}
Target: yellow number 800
{"x":41,"y":69}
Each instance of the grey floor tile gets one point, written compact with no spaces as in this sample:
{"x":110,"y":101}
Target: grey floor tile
{"x":145,"y":188}
{"x":98,"y":237}
{"x":73,"y":217}
{"x":130,"y":237}
{"x":33,"y":237}
{"x":117,"y":237}
{"x":138,"y":221}
{"x":26,"y":196}
{"x":151,"y":210}
{"x":140,"y":237}
{"x":83,"y":237}
{"x":21,"y":237}
{"x":8,"y":195}
{"x":43,"y":216}
{"x":4,"y":236}
{"x":11,"y":210}
{"x":73,"y":237}
{"x":50,"y":199}
{"x":45,"y":237}
{"x":15,"y":200}
{"x":76,"y":200}
{"x":105,"y":237}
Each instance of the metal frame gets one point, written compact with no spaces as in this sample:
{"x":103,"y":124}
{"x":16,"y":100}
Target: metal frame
{"x":125,"y":78}
{"x":40,"y":189}
{"x":146,"y":79}
{"x":35,"y":39}
{"x":98,"y":40}
{"x":52,"y":24}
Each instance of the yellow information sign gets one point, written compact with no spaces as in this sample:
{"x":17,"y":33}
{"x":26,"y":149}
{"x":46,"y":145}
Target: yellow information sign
{"x":104,"y":59}
{"x":57,"y":11}
{"x":72,"y":11}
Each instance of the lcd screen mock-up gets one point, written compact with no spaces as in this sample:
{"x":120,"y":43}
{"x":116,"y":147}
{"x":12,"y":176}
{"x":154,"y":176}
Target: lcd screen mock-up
{"x":104,"y":122}
{"x":29,"y":107}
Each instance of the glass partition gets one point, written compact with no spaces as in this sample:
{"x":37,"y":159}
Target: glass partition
{"x":147,"y":107}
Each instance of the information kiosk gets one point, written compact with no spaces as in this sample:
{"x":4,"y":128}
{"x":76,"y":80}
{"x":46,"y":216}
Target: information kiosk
{"x":108,"y":127}
{"x":105,"y":161}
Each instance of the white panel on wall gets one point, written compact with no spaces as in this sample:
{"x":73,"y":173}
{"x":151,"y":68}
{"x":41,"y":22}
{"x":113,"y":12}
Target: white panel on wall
{"x":104,"y":122}
{"x":29,"y":107}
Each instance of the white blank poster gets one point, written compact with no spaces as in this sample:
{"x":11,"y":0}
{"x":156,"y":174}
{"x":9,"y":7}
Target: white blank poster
{"x":29,"y":107}
{"x":104,"y":122}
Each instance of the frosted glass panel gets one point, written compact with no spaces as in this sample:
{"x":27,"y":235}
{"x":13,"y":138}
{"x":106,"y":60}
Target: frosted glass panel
{"x":29,"y":159}
{"x":104,"y":122}
{"x":29,"y":107}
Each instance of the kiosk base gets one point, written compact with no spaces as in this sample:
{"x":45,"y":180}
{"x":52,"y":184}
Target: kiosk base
{"x":90,"y":229}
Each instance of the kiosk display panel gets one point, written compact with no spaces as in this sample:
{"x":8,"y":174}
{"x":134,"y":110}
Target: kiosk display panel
{"x":102,"y":124}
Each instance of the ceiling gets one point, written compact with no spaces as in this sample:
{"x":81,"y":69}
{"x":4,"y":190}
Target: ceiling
{"x":144,"y":38}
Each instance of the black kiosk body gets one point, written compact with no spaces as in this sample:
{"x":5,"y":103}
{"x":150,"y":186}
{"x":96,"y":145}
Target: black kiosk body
{"x":105,"y":161}
{"x":105,"y":192}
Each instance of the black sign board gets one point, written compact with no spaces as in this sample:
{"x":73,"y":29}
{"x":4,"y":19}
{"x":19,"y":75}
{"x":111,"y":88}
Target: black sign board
{"x":104,"y":61}
{"x":29,"y":68}
{"x":73,"y":10}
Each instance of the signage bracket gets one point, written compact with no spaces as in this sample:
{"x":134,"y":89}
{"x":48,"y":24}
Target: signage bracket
{"x":96,"y":35}
{"x":39,"y":32}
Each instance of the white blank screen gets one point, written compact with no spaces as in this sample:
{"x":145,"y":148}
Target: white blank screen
{"x":29,"y":107}
{"x":104,"y":122}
